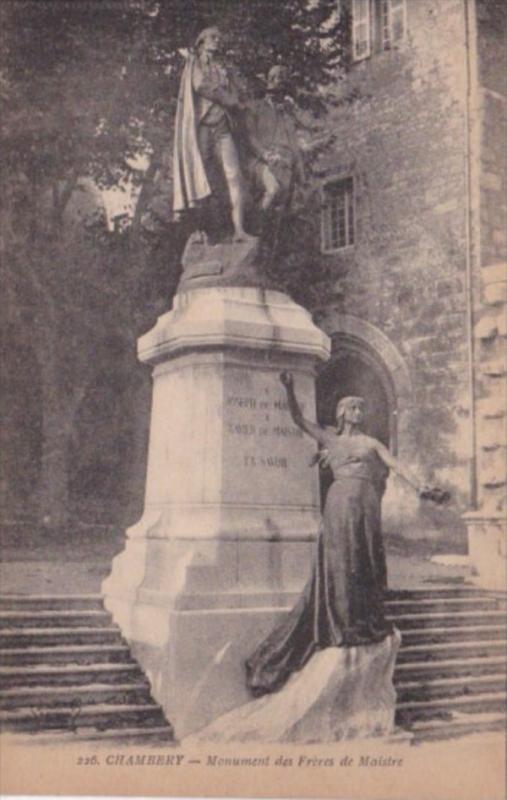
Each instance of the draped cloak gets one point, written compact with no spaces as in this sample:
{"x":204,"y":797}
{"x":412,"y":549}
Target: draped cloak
{"x":190,"y":183}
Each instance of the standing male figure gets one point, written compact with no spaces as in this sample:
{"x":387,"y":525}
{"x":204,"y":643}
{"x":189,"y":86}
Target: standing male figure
{"x":204,"y":148}
{"x":277,"y":161}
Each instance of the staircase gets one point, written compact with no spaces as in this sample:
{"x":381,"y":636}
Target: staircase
{"x":451,"y":671}
{"x":67,"y":673}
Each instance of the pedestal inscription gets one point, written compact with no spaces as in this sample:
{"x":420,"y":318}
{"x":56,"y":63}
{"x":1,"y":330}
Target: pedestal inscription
{"x":263,"y":450}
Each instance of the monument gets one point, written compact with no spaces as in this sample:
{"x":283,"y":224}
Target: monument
{"x":226,"y":539}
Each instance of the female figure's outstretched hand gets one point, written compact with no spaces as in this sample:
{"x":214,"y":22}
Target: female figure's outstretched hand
{"x":435,"y":493}
{"x":425,"y":492}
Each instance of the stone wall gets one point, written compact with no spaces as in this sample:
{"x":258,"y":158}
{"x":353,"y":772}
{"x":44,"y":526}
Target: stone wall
{"x":491,"y":275}
{"x":491,"y":28}
{"x":487,"y":525}
{"x":403,"y":139}
{"x":493,"y":163}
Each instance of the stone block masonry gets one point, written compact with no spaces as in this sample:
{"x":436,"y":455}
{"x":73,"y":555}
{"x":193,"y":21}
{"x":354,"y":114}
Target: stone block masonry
{"x":406,"y":141}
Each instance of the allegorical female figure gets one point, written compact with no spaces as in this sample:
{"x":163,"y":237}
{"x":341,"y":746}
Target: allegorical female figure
{"x":342,"y":604}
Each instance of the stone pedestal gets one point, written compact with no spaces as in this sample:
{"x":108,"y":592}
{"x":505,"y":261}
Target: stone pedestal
{"x":487,"y":549}
{"x":341,"y":693}
{"x":231,"y":506}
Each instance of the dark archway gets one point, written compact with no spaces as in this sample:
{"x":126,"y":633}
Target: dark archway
{"x":354,"y":370}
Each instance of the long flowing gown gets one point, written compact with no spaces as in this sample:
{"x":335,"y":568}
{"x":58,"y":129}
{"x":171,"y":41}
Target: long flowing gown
{"x":342,"y":603}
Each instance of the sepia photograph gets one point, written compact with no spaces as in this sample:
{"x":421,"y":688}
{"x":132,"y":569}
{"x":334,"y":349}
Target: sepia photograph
{"x":253,"y":438}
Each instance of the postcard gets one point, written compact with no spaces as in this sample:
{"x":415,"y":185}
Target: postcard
{"x":254,"y":454}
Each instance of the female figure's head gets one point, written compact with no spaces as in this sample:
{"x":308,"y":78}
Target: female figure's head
{"x":350,"y":412}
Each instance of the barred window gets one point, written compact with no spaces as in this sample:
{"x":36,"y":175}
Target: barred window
{"x":377,"y":25}
{"x":361,"y":29}
{"x":392,"y":22}
{"x":337,"y":216}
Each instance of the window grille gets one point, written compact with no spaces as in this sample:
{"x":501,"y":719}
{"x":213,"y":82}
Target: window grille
{"x":377,"y":25}
{"x":361,"y":29}
{"x":337,"y":220}
{"x":392,"y":22}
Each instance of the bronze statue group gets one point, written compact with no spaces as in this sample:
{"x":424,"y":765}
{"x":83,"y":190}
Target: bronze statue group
{"x":222,"y":140}
{"x":225,"y":142}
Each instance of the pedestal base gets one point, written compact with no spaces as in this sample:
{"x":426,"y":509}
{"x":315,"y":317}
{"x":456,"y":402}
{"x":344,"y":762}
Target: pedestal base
{"x":194,"y":611}
{"x":487,"y":549}
{"x":342,"y":693}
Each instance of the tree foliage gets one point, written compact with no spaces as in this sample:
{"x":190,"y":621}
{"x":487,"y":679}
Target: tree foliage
{"x":88,"y":91}
{"x":87,"y":86}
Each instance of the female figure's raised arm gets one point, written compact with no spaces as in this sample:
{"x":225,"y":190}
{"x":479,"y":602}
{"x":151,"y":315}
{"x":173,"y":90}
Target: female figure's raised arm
{"x":311,"y":428}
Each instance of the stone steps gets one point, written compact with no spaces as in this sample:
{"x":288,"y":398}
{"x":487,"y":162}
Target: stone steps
{"x":42,"y":696}
{"x":143,"y":735}
{"x":66,"y":672}
{"x":456,"y":619}
{"x":451,"y":671}
{"x":445,"y":708}
{"x":457,"y":726}
{"x":461,"y":590}
{"x":429,"y":670}
{"x":44,"y":602}
{"x":444,"y":605}
{"x":414,"y":636}
{"x":452,"y":650}
{"x":29,"y":637}
{"x":102,"y":716}
{"x":407,"y":690}
{"x":53,"y":618}
{"x":66,"y":654}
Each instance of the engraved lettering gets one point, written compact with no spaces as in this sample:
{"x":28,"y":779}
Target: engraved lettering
{"x":242,"y":402}
{"x":241,"y":429}
{"x":287,"y":431}
{"x":274,"y":461}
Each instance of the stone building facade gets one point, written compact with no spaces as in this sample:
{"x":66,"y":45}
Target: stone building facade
{"x":413,"y":222}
